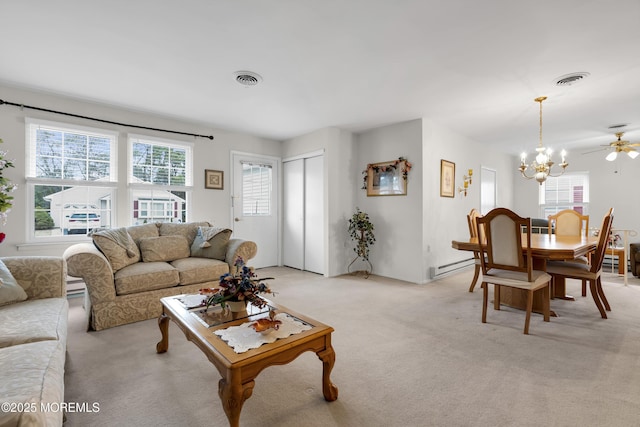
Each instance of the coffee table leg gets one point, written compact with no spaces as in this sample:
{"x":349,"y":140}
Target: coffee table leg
{"x":163,"y":344}
{"x":328,"y":357}
{"x":233,"y":397}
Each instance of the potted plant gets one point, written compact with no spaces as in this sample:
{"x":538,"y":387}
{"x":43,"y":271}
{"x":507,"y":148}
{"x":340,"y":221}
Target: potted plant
{"x":241,"y":287}
{"x":361,"y":232}
{"x":6,"y":187}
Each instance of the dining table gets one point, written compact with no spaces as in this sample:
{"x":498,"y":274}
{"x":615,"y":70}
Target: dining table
{"x":544,"y":247}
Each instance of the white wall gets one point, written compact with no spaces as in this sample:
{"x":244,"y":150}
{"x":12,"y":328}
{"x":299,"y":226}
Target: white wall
{"x":397,"y":220}
{"x":445,"y":219}
{"x":612,"y":184}
{"x":339,"y":186}
{"x":209,"y":205}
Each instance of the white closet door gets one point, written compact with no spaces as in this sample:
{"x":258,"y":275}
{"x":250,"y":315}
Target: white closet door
{"x":293,"y":218}
{"x":314,"y":214}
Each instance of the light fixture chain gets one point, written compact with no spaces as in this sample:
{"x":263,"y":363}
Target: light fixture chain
{"x":539,"y":100}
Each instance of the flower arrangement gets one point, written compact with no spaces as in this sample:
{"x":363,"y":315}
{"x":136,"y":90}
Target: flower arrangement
{"x":361,"y":231}
{"x":241,"y":286}
{"x":614,"y":240}
{"x":406,"y":167}
{"x":6,"y":187}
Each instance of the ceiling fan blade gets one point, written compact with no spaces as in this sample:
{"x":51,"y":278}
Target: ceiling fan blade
{"x":635,"y":144}
{"x":596,"y":151}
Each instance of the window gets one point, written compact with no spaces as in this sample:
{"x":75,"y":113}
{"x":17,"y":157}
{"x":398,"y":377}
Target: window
{"x":71,"y":174}
{"x":256,"y":189}
{"x":159,"y":179}
{"x":569,"y":191}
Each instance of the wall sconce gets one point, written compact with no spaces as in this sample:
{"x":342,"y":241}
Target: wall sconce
{"x":467,"y":179}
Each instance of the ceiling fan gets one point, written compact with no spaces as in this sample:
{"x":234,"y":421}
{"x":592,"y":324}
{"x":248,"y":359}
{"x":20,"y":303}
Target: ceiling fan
{"x":619,"y":146}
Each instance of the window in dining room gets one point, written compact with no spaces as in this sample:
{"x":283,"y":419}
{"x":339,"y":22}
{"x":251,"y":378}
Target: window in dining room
{"x":569,"y":191}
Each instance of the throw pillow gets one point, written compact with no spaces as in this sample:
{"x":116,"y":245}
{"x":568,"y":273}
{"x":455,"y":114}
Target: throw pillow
{"x":10,"y":290}
{"x":211,"y":242}
{"x":164,"y":248}
{"x":186,"y":229}
{"x":118,"y":246}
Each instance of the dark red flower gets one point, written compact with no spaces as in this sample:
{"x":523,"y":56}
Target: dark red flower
{"x":2,"y":236}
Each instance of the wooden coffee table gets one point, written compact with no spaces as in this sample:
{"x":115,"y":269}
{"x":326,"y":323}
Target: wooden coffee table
{"x":239,"y":370}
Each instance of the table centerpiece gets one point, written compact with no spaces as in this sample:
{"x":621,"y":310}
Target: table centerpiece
{"x":241,"y":287}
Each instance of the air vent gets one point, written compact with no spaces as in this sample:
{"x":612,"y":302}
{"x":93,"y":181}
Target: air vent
{"x":571,"y":79}
{"x":247,"y":78}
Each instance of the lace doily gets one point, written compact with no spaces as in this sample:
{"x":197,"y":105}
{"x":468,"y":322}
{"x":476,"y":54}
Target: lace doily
{"x":191,"y":301}
{"x":243,"y":338}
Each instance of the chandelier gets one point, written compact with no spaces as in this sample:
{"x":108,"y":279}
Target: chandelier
{"x":542,"y":164}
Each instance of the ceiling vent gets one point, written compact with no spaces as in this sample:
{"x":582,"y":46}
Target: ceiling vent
{"x":571,"y":79}
{"x":247,"y":78}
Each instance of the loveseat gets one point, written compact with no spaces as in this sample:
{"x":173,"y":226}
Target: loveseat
{"x":634,"y":258}
{"x":33,"y":340}
{"x":128,"y":270}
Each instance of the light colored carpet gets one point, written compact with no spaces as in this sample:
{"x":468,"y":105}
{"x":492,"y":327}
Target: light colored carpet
{"x":406,"y":355}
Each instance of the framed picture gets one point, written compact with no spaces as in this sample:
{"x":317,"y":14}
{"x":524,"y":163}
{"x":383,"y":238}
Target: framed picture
{"x":447,"y":178}
{"x":387,"y":178}
{"x":213,"y":179}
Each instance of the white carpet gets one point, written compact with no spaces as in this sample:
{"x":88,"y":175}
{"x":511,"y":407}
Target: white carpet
{"x":406,"y":355}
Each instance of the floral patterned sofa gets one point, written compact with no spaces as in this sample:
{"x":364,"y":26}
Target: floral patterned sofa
{"x":128,"y":270}
{"x":33,"y":340}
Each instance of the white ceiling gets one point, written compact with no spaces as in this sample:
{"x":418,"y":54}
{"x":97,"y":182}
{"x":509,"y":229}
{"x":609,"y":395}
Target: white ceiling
{"x":473,"y":66}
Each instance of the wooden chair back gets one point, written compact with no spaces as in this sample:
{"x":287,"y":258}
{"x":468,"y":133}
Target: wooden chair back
{"x":472,"y":220}
{"x":569,"y":223}
{"x":603,"y":240}
{"x":503,"y":246}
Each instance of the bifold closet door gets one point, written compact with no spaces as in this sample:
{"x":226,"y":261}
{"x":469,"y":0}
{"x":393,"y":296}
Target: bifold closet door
{"x":293,"y":214}
{"x":303,"y":216}
{"x":314,"y":214}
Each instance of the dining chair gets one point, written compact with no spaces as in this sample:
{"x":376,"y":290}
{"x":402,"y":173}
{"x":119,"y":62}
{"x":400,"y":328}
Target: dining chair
{"x":589,"y":272}
{"x":505,"y":262}
{"x":568,"y":223}
{"x":473,"y":233}
{"x":571,"y":223}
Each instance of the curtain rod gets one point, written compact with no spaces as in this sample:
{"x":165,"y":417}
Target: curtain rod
{"x":2,"y":102}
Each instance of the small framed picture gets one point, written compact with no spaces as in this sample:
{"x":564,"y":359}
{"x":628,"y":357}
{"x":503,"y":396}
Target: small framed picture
{"x":447,"y":178}
{"x":213,"y":179}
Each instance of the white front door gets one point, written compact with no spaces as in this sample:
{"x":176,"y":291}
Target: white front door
{"x":255,"y":205}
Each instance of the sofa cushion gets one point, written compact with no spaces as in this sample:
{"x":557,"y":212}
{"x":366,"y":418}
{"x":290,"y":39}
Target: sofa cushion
{"x":35,"y":376}
{"x":118,"y":246}
{"x":10,"y":290}
{"x":187,"y":230}
{"x":138,"y":232}
{"x":145,"y":276}
{"x":211,"y":242}
{"x":199,"y":270}
{"x":34,"y":320}
{"x":164,"y":248}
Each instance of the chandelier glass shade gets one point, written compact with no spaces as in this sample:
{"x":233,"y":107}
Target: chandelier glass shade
{"x":542,"y":165}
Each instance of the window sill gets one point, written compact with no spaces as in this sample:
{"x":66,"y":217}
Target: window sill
{"x":37,"y":246}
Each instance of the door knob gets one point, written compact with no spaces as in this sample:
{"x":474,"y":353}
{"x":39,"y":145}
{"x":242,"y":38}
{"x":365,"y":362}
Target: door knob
{"x":236,"y":219}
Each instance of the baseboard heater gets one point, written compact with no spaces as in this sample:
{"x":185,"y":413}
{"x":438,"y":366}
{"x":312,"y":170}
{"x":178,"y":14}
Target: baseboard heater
{"x":446,"y":269}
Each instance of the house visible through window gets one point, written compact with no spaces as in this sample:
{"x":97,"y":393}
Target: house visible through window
{"x":159,"y":180}
{"x":569,"y":191}
{"x":71,"y":178}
